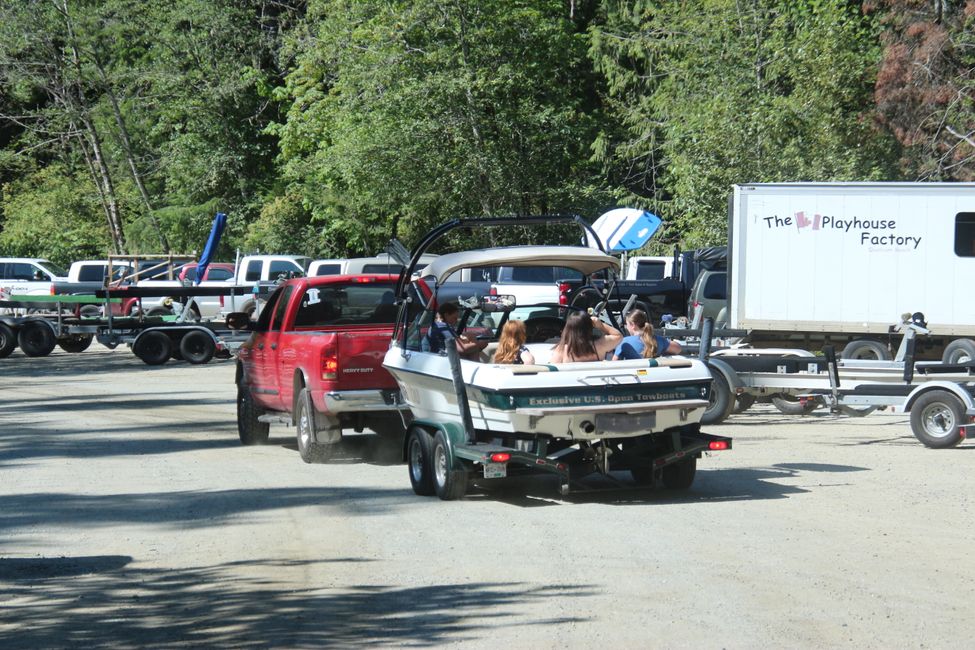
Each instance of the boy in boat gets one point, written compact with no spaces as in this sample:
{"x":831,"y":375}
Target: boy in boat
{"x":435,"y":341}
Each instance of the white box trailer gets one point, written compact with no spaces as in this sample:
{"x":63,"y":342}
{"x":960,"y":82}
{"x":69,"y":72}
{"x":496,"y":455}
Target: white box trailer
{"x":816,"y":263}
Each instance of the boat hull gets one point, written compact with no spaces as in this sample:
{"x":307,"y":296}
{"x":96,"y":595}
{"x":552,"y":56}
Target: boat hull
{"x":584,"y":401}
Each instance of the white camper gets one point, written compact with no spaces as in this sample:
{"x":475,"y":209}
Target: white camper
{"x":839,"y":262}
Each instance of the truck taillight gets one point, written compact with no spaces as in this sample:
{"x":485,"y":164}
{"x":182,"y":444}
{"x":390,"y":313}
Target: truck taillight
{"x":564,"y":289}
{"x":52,"y":288}
{"x":330,"y":365}
{"x":493,"y":291}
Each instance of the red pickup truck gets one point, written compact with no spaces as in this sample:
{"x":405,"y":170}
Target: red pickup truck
{"x":314,"y":360}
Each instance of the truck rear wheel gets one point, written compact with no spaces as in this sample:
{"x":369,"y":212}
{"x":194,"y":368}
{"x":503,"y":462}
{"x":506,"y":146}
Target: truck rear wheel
{"x":308,"y":422}
{"x":936,"y":418}
{"x":449,"y":474}
{"x":679,"y":476}
{"x":251,"y":430}
{"x":866,"y":349}
{"x":8,"y":341}
{"x":793,"y":406}
{"x":960,"y":351}
{"x":197,"y":347}
{"x":419,"y":460}
{"x":153,"y":347}
{"x":36,"y":338}
{"x":76,"y":343}
{"x":743,"y":402}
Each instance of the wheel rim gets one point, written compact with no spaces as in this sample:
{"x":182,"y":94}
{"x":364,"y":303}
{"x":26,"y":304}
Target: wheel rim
{"x":440,"y":465}
{"x":416,"y":460}
{"x":938,"y":420}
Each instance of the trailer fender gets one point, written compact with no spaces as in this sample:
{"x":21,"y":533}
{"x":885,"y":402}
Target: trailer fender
{"x":950,"y":386}
{"x":453,"y":432}
{"x":734,"y":382}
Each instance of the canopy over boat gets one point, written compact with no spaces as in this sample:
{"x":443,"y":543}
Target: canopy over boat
{"x":585,"y":260}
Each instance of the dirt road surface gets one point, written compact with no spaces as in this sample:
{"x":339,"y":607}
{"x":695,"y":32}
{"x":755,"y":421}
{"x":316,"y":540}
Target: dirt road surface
{"x":130,"y":516}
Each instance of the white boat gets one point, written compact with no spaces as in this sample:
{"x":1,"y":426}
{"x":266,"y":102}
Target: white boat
{"x":543,"y":407}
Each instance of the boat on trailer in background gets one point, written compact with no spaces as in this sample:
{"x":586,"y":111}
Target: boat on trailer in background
{"x":480,"y":418}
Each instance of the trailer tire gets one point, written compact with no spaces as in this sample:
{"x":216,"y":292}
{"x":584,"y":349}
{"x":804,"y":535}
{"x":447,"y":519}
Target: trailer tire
{"x":936,"y":418}
{"x":251,"y":430}
{"x":679,"y":476}
{"x":308,"y":422}
{"x":160,"y":311}
{"x":743,"y":402}
{"x":856,"y":411}
{"x":789,"y":405}
{"x":720,"y":401}
{"x":8,"y":341}
{"x":449,"y":474}
{"x":960,"y":351}
{"x":419,"y":461}
{"x":197,"y":347}
{"x":76,"y":343}
{"x":865,"y":349}
{"x":36,"y":338}
{"x":153,"y":347}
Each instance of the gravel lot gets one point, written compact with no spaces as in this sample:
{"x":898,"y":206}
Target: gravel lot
{"x":131,"y":516}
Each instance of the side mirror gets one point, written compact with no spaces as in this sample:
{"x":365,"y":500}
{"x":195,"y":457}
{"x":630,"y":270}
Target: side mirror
{"x":494,"y":304}
{"x":239,"y":320}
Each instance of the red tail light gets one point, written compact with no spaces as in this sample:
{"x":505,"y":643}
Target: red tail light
{"x":717,"y":445}
{"x":52,"y":288}
{"x":494,"y":291}
{"x":564,"y":289}
{"x":221,"y":301}
{"x":500,"y":457}
{"x":330,"y":362}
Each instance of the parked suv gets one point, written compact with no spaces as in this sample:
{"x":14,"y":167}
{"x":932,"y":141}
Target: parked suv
{"x":709,"y":294}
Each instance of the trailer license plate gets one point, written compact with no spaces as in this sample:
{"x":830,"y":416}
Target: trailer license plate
{"x":626,"y":423}
{"x":495,"y":470}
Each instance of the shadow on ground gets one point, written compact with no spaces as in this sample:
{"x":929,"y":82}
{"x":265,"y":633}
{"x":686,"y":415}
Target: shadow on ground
{"x":108,"y":603}
{"x":718,"y":485}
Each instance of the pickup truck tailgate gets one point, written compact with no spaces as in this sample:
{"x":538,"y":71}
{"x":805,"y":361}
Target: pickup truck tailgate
{"x":359,"y":360}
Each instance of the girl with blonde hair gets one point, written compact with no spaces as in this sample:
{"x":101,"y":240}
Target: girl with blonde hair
{"x":642,"y":343}
{"x":511,"y":344}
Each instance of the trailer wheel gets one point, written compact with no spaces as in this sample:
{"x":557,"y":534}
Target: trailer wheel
{"x":153,"y":347}
{"x":856,"y":411}
{"x":419,"y":459}
{"x":679,"y":476}
{"x":36,"y":338}
{"x":743,"y":402}
{"x":960,"y":351}
{"x":197,"y":347}
{"x":76,"y":343}
{"x":793,"y":406}
{"x":720,"y":400}
{"x":865,"y":349}
{"x":308,"y":423}
{"x":449,"y":474}
{"x":8,"y":341}
{"x":936,"y":418}
{"x":251,"y":430}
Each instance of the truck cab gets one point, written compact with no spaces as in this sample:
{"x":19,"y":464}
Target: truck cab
{"x":29,"y":275}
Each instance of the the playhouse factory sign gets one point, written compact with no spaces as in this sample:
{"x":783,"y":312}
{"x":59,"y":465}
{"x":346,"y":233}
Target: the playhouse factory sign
{"x":873,"y":233}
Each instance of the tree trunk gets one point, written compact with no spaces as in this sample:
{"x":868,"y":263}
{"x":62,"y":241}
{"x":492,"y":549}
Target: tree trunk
{"x":127,"y":149}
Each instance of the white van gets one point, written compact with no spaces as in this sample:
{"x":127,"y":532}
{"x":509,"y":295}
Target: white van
{"x":29,"y":275}
{"x":382,"y":263}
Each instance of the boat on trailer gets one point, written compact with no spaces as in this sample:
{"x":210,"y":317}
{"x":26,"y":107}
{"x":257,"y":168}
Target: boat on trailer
{"x":489,"y":419}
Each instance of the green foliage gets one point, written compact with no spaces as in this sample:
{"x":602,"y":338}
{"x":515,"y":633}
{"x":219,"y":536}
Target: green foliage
{"x":284,"y":226}
{"x":409,"y":113}
{"x":720,"y":92}
{"x":45,"y":216}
